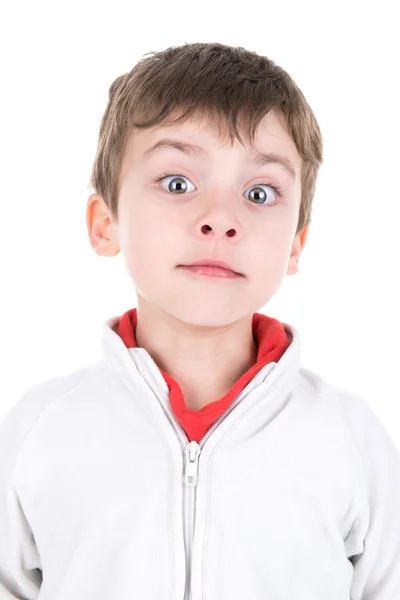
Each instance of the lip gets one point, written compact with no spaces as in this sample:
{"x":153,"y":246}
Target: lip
{"x":211,"y":271}
{"x":209,"y":262}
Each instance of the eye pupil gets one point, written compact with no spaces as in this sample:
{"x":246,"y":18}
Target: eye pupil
{"x":178,"y":186}
{"x":258,"y":195}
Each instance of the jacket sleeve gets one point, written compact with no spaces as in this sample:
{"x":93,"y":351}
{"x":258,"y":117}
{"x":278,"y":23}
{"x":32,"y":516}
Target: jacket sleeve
{"x":376,"y":571}
{"x":20,"y":567}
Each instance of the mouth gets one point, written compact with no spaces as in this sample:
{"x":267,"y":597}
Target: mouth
{"x":213,"y":264}
{"x":211,"y":271}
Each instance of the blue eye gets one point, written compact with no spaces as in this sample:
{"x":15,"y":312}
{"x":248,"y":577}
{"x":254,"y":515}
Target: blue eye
{"x":178,"y":186}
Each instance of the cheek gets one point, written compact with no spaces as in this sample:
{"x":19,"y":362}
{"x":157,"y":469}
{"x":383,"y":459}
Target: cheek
{"x":268,"y":251}
{"x":147,"y":242}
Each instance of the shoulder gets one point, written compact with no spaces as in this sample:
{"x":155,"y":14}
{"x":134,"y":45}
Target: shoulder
{"x":370,"y":436}
{"x":28,"y":408}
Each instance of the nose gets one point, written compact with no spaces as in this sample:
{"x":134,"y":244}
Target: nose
{"x":206,"y":228}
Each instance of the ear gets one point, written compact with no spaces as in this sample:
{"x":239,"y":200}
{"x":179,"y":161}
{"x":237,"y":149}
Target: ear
{"x":297,"y":249}
{"x":101,"y":227}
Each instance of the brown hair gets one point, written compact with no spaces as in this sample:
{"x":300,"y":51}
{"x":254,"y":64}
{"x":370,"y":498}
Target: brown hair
{"x":211,"y":80}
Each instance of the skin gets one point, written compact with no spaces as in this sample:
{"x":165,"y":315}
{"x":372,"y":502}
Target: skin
{"x":198,"y":329}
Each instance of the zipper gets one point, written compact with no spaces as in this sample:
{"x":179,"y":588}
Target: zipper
{"x":192,"y":451}
{"x":191,"y":456}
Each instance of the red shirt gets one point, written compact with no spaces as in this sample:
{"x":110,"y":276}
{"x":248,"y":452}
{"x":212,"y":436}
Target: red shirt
{"x":272,"y":341}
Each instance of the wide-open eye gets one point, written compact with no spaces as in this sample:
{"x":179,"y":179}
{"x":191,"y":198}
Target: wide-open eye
{"x":260,"y":196}
{"x":177,"y":184}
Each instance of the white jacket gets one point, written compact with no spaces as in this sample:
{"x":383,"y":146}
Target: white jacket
{"x":293,"y":494}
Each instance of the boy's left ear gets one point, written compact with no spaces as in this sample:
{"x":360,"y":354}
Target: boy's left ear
{"x":297,"y":249}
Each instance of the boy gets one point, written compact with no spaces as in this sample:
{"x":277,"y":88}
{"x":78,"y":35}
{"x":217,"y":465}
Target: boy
{"x":197,"y":459}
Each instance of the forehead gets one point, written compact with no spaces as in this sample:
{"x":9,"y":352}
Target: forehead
{"x":270,"y":137}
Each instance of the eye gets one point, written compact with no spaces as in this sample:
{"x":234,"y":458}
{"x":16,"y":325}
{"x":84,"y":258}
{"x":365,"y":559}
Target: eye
{"x":177,"y":183}
{"x":257,"y":193}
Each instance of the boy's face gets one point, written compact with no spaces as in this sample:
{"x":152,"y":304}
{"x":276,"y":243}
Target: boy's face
{"x":219,"y":216}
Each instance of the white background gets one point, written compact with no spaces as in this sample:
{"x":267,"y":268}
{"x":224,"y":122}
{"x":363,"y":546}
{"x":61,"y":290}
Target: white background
{"x":58,"y":60}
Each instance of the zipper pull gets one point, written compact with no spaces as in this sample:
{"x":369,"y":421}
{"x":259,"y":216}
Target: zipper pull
{"x":192,"y":453}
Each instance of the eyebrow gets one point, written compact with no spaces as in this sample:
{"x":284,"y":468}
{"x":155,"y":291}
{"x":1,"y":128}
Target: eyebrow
{"x":258,"y":158}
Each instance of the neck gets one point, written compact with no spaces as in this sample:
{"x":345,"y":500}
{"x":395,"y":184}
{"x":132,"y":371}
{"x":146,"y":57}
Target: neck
{"x":205,"y":361}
